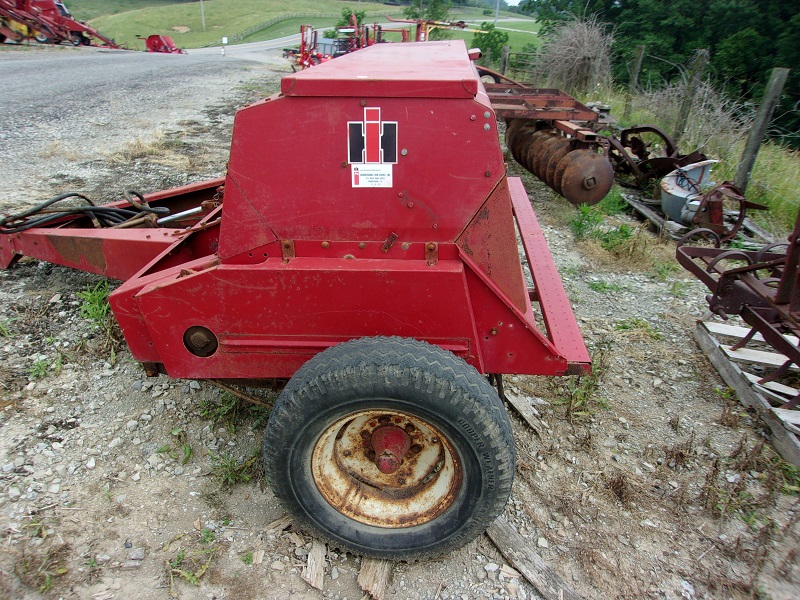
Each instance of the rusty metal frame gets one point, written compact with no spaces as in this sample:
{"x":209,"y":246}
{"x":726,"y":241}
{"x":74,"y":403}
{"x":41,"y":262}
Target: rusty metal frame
{"x":762,"y":287}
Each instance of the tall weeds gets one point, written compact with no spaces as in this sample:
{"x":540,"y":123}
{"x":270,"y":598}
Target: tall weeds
{"x":575,"y":57}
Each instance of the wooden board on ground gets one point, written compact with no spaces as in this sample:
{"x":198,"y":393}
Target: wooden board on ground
{"x":526,"y":411}
{"x":527,"y":561}
{"x":314,"y":571}
{"x":757,"y":357}
{"x":779,"y":391}
{"x":374,"y":576}
{"x":735,"y":331}
{"x":785,"y":442}
{"x":651,"y":214}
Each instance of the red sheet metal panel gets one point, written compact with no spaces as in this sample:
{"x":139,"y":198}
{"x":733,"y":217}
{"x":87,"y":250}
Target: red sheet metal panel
{"x":115,"y":253}
{"x":271,"y":318}
{"x":430,"y":70}
{"x":294,"y":170}
{"x":490,"y":240}
{"x":562,"y":329}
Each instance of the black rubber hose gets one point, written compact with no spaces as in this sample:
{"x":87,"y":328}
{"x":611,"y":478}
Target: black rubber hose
{"x":107,"y":216}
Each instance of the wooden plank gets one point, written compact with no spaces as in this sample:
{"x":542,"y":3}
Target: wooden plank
{"x":758,"y":357}
{"x":278,"y":525}
{"x":374,"y":576}
{"x":524,"y":559}
{"x":788,"y":416}
{"x":785,"y":443}
{"x":740,"y":332}
{"x":751,"y":226}
{"x":314,"y":571}
{"x":526,"y":411}
{"x":648,"y":213}
{"x":773,"y":386}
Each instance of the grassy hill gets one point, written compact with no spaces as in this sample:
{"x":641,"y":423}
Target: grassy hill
{"x":91,"y":9}
{"x":123,"y":20}
{"x":183,"y":21}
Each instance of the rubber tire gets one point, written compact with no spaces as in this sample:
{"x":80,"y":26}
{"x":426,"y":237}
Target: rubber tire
{"x":393,"y":374}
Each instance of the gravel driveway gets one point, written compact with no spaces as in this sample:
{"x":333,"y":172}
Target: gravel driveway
{"x":67,"y":110}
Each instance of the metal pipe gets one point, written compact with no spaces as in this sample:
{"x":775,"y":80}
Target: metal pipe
{"x":178,"y":216}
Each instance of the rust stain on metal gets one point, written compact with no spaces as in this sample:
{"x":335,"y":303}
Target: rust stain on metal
{"x":79,"y":250}
{"x":431,"y":253}
{"x":287,"y":249}
{"x":387,"y":245}
{"x":424,"y":484}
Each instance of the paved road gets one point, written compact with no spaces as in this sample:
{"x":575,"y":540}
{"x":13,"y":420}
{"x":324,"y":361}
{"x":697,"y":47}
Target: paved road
{"x":63,"y":108}
{"x":264,"y":52}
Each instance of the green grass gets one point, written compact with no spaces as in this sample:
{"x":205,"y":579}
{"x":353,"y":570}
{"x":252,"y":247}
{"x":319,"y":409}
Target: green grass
{"x":290,"y":27}
{"x":222,"y":17}
{"x":229,"y":471}
{"x":603,"y":287}
{"x":585,"y":222}
{"x":95,"y":305}
{"x":639,"y":326}
{"x":123,"y":20}
{"x":517,"y":40}
{"x":40,"y":369}
{"x":90,"y":9}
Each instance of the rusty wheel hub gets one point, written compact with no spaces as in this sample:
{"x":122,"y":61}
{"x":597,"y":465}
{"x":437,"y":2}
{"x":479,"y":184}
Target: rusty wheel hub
{"x":387,"y":469}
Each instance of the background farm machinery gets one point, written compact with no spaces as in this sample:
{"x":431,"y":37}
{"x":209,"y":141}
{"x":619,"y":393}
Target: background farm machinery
{"x":571,"y":148}
{"x":314,"y":49}
{"x":162,"y":44}
{"x":46,"y":21}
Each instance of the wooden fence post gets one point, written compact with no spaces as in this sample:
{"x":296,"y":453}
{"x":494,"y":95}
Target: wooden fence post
{"x":504,"y":60}
{"x":695,"y":75}
{"x":759,"y":129}
{"x":637,"y":67}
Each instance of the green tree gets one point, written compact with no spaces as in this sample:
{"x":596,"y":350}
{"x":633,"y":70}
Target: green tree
{"x":430,"y":10}
{"x":347,"y":12}
{"x":745,"y":39}
{"x":491,"y":42}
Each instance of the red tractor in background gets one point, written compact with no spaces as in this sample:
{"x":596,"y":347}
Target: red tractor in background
{"x":162,"y":44}
{"x":48,"y":22}
{"x":355,"y":36}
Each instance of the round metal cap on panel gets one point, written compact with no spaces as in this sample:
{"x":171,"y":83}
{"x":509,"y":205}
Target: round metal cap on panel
{"x":200,"y":341}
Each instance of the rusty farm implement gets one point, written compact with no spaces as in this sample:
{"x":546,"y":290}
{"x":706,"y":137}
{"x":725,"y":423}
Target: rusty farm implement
{"x":46,"y":21}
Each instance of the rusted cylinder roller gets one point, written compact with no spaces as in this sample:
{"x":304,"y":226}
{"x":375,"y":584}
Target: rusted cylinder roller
{"x":513,"y":127}
{"x":581,"y":176}
{"x":519,"y":143}
{"x":534,"y":144}
{"x":565,"y":146}
{"x":586,"y":178}
{"x":542,"y":154}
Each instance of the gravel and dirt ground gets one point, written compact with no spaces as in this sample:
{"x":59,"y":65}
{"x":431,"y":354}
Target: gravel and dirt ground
{"x":648,"y":480}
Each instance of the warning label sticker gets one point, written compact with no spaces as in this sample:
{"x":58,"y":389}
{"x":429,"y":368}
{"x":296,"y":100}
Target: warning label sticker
{"x":367,"y":175}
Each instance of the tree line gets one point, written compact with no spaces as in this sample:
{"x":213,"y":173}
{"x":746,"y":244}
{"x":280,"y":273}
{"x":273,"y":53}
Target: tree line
{"x":745,"y":40}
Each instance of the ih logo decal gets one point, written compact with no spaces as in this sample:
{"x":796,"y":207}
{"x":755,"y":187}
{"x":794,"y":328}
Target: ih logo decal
{"x":372,"y":141}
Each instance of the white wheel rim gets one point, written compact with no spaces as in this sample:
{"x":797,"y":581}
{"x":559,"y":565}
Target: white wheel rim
{"x":424,"y":486}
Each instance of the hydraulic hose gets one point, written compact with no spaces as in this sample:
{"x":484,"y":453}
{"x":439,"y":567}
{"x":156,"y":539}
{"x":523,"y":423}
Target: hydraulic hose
{"x":101,"y":216}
